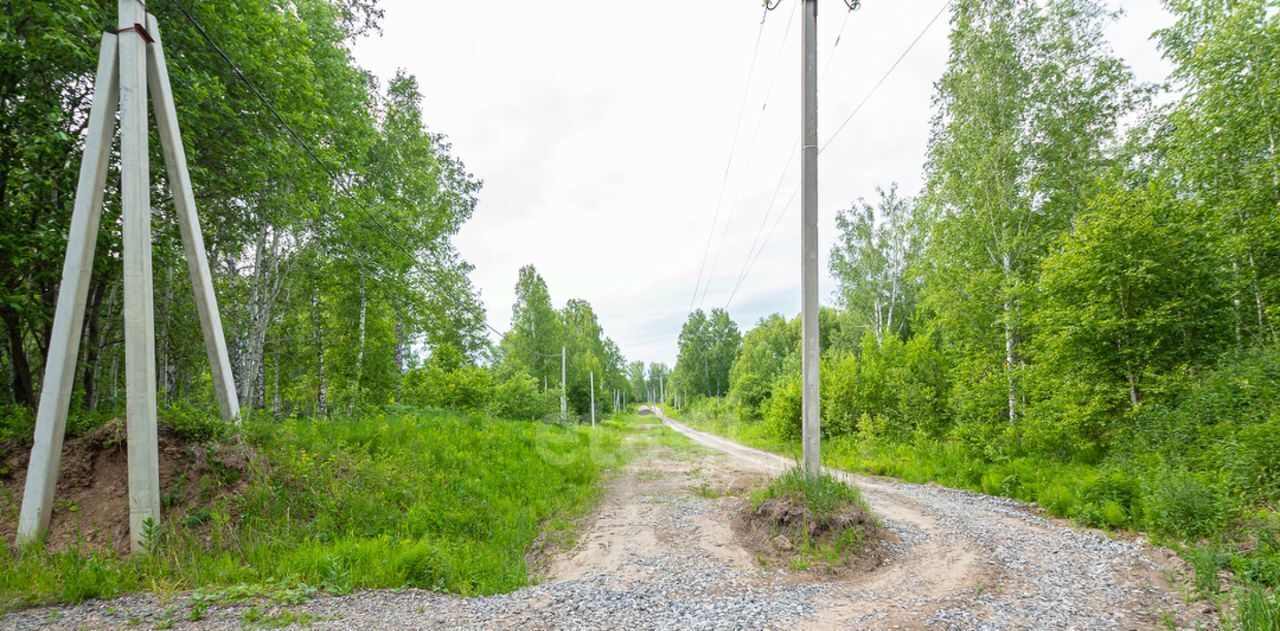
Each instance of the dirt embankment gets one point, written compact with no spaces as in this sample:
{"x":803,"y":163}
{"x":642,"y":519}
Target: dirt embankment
{"x":91,"y":503}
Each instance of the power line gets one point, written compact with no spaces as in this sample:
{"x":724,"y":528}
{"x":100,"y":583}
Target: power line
{"x":764,"y":220}
{"x":724,"y":182}
{"x":737,"y":196}
{"x":843,"y":23}
{"x":883,"y":78}
{"x":300,"y":141}
{"x":750,"y":263}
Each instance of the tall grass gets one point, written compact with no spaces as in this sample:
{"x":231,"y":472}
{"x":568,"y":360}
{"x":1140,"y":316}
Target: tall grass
{"x":420,"y":499}
{"x":823,"y":495}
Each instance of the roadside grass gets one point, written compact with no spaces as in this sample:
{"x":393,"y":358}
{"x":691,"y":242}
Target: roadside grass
{"x":644,"y":434}
{"x":1183,"y":510}
{"x":425,"y":499}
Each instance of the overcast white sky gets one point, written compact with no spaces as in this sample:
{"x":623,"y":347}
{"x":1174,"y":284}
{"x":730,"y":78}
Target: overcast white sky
{"x":602,"y":128}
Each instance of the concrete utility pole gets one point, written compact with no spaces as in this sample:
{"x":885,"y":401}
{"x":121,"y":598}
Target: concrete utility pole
{"x":811,"y":353}
{"x":130,"y":61}
{"x":593,"y":398}
{"x":564,"y":388}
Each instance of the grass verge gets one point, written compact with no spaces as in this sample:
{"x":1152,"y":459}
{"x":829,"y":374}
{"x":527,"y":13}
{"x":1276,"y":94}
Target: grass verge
{"x":419,"y":499}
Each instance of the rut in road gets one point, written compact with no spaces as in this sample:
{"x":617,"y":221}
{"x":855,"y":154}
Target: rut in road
{"x":660,"y":554}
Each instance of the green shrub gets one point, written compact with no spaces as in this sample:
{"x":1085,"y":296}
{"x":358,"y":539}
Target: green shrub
{"x":1259,"y":569}
{"x":1109,"y":500}
{"x":1183,"y":505}
{"x":194,"y":423}
{"x":519,"y":397}
{"x":1252,"y":462}
{"x":465,"y":388}
{"x":782,"y":410}
{"x":1059,"y":499}
{"x":17,"y":424}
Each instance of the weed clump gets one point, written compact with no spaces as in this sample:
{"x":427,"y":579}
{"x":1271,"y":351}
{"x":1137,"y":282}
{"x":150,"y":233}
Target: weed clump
{"x":811,"y":522}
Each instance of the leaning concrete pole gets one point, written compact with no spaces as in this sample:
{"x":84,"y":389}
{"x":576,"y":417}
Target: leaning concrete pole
{"x":68,"y":319}
{"x":811,"y":353}
{"x":593,"y":398}
{"x":175,"y":159}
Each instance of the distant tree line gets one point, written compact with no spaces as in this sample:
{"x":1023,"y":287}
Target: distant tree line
{"x":541,"y":336}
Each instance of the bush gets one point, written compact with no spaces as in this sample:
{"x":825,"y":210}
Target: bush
{"x":17,"y":424}
{"x":1109,"y":500}
{"x":782,"y":410}
{"x":195,"y":423}
{"x":1182,"y":505}
{"x":465,"y":388}
{"x":519,"y":398}
{"x":1252,"y":463}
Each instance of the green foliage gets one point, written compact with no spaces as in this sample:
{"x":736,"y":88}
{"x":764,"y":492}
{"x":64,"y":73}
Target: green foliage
{"x":1220,"y":140}
{"x":1252,"y":464}
{"x":541,"y":338}
{"x":783,"y":412}
{"x":449,"y":382}
{"x":1111,"y":500}
{"x":1257,"y":610}
{"x":327,"y":305}
{"x":1183,"y":505}
{"x":871,"y":260}
{"x":1136,"y":263}
{"x":888,"y":389}
{"x":533,"y":342}
{"x":1205,"y":564}
{"x":708,"y":346}
{"x":765,"y":353}
{"x":519,"y":397}
{"x":17,"y":424}
{"x":420,"y":499}
{"x":194,"y":423}
{"x":822,"y":494}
